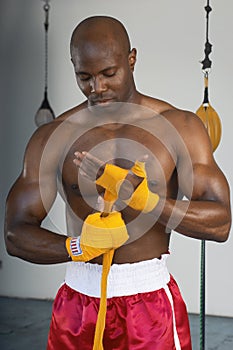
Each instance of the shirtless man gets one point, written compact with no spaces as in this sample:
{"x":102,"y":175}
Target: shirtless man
{"x":117,"y":125}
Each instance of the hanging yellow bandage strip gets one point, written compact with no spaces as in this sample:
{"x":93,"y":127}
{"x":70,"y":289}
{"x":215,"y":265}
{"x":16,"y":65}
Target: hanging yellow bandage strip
{"x":101,"y":234}
{"x":100,"y":324}
{"x":116,"y":224}
{"x":210,"y":118}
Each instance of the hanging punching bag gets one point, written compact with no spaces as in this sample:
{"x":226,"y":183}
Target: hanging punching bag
{"x":210,"y":118}
{"x":45,"y":113}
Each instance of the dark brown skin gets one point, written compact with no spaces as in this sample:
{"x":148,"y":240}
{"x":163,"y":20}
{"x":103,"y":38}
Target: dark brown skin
{"x":104,"y":63}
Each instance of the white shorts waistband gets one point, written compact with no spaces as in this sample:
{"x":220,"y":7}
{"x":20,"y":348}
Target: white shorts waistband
{"x":123,"y":279}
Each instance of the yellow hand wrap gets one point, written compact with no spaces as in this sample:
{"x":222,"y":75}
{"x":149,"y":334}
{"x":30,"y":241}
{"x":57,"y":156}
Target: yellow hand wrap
{"x":111,"y":179}
{"x":142,"y":199}
{"x":99,"y":235}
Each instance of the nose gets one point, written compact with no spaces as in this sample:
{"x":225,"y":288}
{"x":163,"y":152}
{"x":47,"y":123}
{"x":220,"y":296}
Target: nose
{"x":98,"y":85}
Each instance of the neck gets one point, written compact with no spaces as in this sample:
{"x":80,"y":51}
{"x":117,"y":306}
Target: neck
{"x":134,"y":96}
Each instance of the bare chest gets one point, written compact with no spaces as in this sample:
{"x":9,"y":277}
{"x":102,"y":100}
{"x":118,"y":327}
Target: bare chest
{"x":121,"y":146}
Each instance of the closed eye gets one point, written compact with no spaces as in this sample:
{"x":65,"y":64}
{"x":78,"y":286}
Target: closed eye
{"x":109,"y":72}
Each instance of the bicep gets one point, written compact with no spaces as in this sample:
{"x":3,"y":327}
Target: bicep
{"x":199,"y":176}
{"x":203,"y":180}
{"x":30,"y":200}
{"x":209,"y":183}
{"x":34,"y":192}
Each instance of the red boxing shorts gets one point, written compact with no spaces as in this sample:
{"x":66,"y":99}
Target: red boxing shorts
{"x":145,"y":310}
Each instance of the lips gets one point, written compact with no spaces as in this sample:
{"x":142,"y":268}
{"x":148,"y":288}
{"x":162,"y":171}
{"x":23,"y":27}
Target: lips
{"x":101,"y":102}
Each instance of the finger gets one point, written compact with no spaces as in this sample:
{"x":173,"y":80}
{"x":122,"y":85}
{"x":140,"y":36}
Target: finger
{"x":81,"y":160}
{"x":91,"y":165}
{"x":92,"y":158}
{"x":83,"y":164}
{"x":79,"y":155}
{"x":77,"y":162}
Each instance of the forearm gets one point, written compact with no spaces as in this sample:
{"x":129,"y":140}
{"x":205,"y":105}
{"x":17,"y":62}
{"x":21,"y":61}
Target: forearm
{"x":35,"y":244}
{"x":208,"y":220}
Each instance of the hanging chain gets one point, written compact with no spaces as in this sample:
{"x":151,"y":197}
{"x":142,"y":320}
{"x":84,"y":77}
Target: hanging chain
{"x":46,"y":8}
{"x":206,"y":63}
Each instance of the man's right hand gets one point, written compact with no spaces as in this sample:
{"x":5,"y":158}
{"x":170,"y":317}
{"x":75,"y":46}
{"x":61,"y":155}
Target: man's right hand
{"x":89,"y":166}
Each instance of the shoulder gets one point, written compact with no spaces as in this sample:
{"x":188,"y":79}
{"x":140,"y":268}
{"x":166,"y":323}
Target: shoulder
{"x":158,"y":106}
{"x":182,"y":128}
{"x":184,"y":121}
{"x":170,"y":112}
{"x":58,"y":129}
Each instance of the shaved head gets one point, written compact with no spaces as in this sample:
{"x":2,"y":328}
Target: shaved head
{"x":100,"y":29}
{"x":103,"y":60}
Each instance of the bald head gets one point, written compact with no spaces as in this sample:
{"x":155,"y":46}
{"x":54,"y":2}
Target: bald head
{"x":102,"y":59}
{"x":100,"y":30}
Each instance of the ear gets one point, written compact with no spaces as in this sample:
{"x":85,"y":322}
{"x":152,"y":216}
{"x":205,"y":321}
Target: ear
{"x":132,"y":58}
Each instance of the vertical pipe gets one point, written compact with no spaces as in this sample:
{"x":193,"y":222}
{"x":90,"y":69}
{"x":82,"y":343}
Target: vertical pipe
{"x":202,"y":297}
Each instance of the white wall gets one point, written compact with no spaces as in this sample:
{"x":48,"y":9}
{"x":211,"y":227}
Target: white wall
{"x":169,"y":36}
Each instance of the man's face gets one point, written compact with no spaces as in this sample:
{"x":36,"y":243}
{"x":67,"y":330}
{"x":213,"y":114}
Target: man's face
{"x":104,"y":73}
